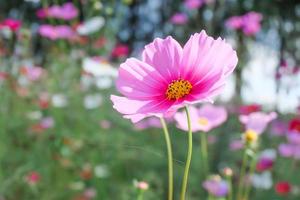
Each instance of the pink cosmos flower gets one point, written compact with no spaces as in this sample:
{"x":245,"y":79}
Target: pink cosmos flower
{"x":66,"y":12}
{"x":286,"y":150}
{"x":56,"y":32}
{"x":12,"y":24}
{"x":216,"y":186}
{"x":257,"y":121}
{"x":203,"y":119}
{"x":179,"y":18}
{"x":169,"y":76}
{"x":235,"y":22}
{"x":249,"y":23}
{"x":293,"y":137}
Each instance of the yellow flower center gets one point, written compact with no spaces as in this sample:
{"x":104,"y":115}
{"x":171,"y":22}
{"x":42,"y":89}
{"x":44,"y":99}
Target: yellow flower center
{"x":250,"y":136}
{"x":203,"y":121}
{"x":178,"y":89}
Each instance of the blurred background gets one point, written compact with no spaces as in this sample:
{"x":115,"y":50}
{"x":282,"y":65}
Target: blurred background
{"x":61,"y":138}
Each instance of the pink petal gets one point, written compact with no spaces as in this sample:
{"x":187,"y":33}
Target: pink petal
{"x":140,"y":81}
{"x":202,"y":55}
{"x":165,"y":56}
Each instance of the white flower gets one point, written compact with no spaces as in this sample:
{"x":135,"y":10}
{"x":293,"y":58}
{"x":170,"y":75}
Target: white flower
{"x":268,"y":153}
{"x":34,"y":115}
{"x":92,"y":101}
{"x":101,"y":171}
{"x":104,"y":82}
{"x":59,"y":100}
{"x":262,"y":181}
{"x":99,"y":67}
{"x":91,"y":26}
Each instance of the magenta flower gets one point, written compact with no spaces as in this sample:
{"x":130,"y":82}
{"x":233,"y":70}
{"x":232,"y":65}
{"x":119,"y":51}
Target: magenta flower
{"x":179,"y":18}
{"x":216,"y":186}
{"x":264,"y":164}
{"x":250,"y":23}
{"x":56,"y":32}
{"x":257,"y":121}
{"x":169,"y":76}
{"x":12,"y":24}
{"x":32,"y":178}
{"x":66,"y":12}
{"x":203,"y":119}
{"x":120,"y":50}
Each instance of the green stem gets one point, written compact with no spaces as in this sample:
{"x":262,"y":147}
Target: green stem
{"x":242,"y":175}
{"x":252,"y":169}
{"x":140,"y":195}
{"x":203,"y":143}
{"x":229,"y":182}
{"x":170,"y":158}
{"x":189,"y":156}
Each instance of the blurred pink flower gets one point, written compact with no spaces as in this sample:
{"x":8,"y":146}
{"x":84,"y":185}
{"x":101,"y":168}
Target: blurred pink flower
{"x":179,"y":18}
{"x":249,"y":23}
{"x":152,"y":122}
{"x":278,"y":128}
{"x":56,"y":32}
{"x":203,"y":119}
{"x":120,"y":50}
{"x":216,"y":186}
{"x":286,"y":150}
{"x":236,"y":145}
{"x":3,"y":76}
{"x":12,"y":24}
{"x":293,"y":137}
{"x":66,"y":12}
{"x":33,"y":73}
{"x":169,"y":76}
{"x":257,"y":121}
{"x":235,"y":22}
{"x":42,"y":13}
{"x":47,"y":123}
{"x":33,"y":178}
{"x":142,"y":185}
{"x":193,"y":4}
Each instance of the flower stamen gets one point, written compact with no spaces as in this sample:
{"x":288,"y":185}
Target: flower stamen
{"x":178,"y":89}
